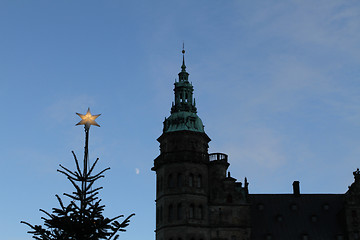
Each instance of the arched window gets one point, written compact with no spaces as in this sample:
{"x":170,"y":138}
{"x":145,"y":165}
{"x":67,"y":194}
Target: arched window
{"x":171,"y":213}
{"x":179,"y":180}
{"x":191,"y":211}
{"x":171,"y":181}
{"x":200,"y":212}
{"x":199,"y":181}
{"x":191,"y":180}
{"x":179,"y":211}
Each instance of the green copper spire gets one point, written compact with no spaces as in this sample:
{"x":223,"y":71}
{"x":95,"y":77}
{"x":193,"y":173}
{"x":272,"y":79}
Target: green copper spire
{"x":183,"y":111}
{"x":183,"y":75}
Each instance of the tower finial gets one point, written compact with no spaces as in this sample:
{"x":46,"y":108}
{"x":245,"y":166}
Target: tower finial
{"x":183,"y":67}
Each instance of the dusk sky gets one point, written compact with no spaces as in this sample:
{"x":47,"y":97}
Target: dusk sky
{"x":276,"y":85}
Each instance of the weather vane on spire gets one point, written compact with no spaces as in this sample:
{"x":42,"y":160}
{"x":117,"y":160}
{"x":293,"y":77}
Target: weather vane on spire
{"x":183,"y":67}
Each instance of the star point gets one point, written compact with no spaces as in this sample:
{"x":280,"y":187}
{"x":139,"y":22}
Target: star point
{"x":88,"y":119}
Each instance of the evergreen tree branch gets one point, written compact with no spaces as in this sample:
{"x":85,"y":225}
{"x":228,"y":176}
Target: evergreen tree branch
{"x":77,"y":163}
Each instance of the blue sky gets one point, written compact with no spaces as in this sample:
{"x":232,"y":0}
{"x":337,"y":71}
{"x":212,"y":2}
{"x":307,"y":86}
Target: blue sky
{"x":276,"y":85}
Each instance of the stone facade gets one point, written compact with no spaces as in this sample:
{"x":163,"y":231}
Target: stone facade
{"x":195,"y":199}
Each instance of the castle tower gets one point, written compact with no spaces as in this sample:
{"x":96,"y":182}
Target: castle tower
{"x":195,"y":199}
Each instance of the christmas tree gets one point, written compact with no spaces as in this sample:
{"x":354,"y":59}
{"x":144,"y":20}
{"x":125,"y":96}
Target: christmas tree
{"x":82,"y":218}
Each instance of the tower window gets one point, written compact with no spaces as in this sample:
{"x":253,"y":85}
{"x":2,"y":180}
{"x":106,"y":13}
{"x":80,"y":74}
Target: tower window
{"x":192,"y":211}
{"x":171,"y":181}
{"x":171,"y":213}
{"x":229,"y":198}
{"x":179,"y":180}
{"x":200,"y":212}
{"x":191,"y":180}
{"x":179,"y":212}
{"x":199,"y":181}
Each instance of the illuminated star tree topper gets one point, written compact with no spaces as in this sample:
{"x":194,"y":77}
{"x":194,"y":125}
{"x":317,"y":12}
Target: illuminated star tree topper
{"x":88,"y":119}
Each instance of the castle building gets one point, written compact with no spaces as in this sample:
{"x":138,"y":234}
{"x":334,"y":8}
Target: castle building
{"x":197,"y":200}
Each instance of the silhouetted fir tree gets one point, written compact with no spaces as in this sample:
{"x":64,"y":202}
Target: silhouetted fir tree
{"x":82,"y":218}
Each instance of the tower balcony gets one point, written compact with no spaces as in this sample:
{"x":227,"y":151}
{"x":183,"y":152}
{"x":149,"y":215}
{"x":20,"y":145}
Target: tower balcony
{"x":218,"y":157}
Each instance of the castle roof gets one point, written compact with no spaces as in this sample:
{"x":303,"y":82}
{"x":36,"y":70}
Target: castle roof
{"x":287,"y":216}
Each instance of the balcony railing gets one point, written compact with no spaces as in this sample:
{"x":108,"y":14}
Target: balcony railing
{"x":218,"y":157}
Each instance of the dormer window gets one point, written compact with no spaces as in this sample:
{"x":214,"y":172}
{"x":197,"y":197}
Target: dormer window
{"x":305,"y":237}
{"x":268,"y":237}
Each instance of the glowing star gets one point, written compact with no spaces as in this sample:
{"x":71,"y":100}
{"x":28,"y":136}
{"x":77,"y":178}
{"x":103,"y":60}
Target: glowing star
{"x":88,"y":119}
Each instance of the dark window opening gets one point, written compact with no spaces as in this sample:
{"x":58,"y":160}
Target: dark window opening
{"x":171,"y":213}
{"x":171,"y":183}
{"x":200,"y":212}
{"x":179,"y":212}
{"x":191,"y":180}
{"x":199,"y":181}
{"x":229,"y":198}
{"x":192,"y":211}
{"x":179,"y":180}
